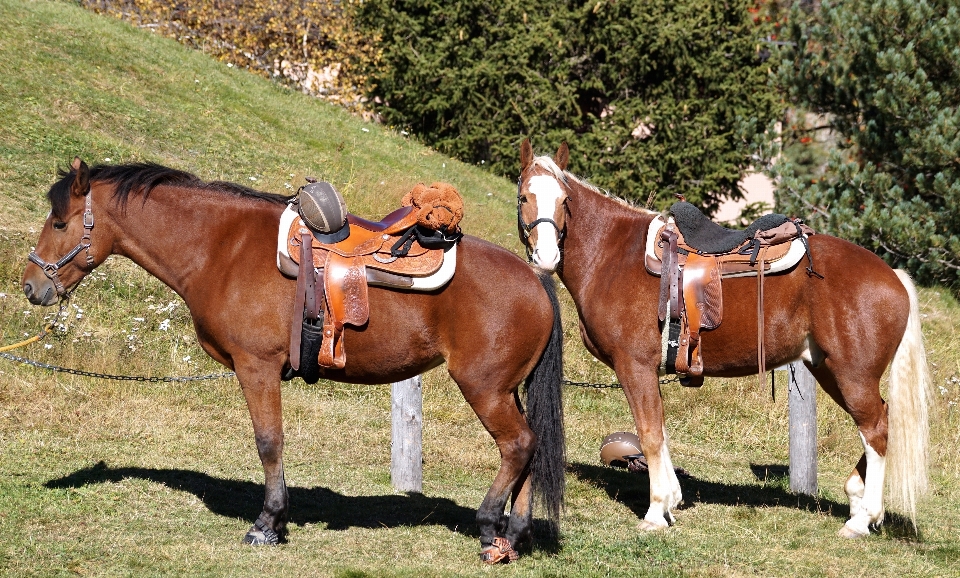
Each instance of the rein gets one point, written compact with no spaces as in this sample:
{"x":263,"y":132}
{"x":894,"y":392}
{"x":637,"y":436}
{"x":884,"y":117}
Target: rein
{"x":51,"y":270}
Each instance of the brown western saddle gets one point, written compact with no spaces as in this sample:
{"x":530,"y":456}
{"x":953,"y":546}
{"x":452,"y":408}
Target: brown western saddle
{"x":691,"y":254}
{"x":333,"y":268}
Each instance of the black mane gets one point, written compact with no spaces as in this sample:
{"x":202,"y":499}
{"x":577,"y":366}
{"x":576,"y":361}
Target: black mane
{"x":141,"y":178}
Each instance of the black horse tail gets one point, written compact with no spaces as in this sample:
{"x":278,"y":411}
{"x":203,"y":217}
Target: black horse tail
{"x":545,"y":416}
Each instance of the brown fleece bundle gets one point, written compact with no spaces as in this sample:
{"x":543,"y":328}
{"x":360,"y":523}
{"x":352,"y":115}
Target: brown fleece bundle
{"x":439,"y":205}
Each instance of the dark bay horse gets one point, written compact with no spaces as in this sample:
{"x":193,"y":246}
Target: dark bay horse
{"x":847,"y":327}
{"x":495,"y":324}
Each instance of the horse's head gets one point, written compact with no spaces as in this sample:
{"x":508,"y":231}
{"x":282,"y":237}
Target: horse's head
{"x":541,"y":204}
{"x":64,"y":253}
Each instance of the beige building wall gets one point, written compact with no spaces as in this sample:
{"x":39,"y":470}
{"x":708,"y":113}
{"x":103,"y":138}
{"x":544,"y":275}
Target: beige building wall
{"x":757,"y":187}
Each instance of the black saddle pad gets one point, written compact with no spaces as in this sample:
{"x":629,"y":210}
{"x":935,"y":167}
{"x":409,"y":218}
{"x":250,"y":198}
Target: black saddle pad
{"x":708,"y":237}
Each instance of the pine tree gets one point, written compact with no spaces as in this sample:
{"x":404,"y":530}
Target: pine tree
{"x":887,"y":75}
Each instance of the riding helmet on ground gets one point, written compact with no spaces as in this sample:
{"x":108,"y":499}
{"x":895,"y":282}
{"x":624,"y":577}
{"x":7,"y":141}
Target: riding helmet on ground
{"x":617,"y":447}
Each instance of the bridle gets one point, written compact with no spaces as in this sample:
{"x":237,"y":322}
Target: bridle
{"x":525,"y":228}
{"x":51,"y":269}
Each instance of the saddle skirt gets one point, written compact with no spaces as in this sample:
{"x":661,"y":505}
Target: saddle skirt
{"x":777,"y":258}
{"x":332,"y":278}
{"x":691,"y":295}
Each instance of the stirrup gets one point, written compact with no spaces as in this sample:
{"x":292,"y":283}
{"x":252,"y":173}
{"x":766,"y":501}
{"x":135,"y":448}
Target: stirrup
{"x":500,"y":551}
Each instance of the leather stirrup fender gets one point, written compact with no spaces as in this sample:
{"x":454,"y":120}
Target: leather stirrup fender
{"x":345,"y":284}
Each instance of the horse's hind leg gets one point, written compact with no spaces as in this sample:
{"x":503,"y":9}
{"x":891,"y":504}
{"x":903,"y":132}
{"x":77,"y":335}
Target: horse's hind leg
{"x":864,"y":486}
{"x":500,"y":415}
{"x":260,"y":383}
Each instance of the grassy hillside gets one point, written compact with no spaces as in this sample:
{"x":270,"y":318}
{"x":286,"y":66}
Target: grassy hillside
{"x":122,"y":478}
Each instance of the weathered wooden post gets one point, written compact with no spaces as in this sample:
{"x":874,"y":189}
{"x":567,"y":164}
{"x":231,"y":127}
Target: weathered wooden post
{"x":406,"y":454}
{"x":802,"y":401}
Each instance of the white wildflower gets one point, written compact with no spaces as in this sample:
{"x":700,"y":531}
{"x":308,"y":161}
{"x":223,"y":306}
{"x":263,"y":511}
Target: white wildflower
{"x":164,"y":325}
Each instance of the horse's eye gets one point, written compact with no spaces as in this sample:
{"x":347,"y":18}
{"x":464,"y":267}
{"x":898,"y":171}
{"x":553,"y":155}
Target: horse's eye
{"x":522,"y":200}
{"x":59,"y":225}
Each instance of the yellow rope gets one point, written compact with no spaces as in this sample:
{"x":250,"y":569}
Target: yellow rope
{"x":37,"y":337}
{"x":46,"y":330}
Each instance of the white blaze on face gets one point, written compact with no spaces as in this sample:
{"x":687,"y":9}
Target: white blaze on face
{"x":546,"y":253}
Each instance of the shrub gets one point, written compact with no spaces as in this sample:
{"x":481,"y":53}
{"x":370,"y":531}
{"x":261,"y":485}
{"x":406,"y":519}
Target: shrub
{"x":654,"y":97}
{"x":310,"y":44}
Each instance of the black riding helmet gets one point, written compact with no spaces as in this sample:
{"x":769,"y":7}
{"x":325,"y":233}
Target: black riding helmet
{"x":324,"y":211}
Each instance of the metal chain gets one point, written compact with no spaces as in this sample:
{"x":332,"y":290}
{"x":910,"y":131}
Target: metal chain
{"x":611,"y":385}
{"x":59,"y":369}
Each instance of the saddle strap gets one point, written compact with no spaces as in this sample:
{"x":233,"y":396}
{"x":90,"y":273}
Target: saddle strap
{"x":761,"y":354}
{"x":669,"y":275}
{"x":305,"y":299}
{"x":682,"y":363}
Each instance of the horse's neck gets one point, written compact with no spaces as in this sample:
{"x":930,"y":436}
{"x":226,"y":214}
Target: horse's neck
{"x":603,"y":235}
{"x":180,"y":235}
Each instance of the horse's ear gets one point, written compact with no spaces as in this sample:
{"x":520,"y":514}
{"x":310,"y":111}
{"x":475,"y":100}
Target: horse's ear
{"x":563,"y":156}
{"x":526,"y":154}
{"x":81,"y":182}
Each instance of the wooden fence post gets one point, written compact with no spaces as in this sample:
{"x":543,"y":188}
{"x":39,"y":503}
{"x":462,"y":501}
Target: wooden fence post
{"x":802,"y":401}
{"x":406,"y":453}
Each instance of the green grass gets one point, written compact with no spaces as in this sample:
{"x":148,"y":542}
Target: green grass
{"x":115,"y":478}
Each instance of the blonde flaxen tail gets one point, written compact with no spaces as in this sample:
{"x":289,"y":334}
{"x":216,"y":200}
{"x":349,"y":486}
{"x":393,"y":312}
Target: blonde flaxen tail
{"x":907,"y":414}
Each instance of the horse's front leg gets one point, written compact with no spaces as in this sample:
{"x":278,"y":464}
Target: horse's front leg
{"x":642,"y":388}
{"x":260,"y":383}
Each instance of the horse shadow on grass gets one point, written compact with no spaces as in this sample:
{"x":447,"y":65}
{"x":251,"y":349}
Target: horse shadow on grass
{"x":317,"y":505}
{"x":632,"y":490}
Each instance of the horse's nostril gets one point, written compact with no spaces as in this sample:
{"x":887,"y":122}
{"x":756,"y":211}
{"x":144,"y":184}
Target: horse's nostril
{"x":28,"y":290}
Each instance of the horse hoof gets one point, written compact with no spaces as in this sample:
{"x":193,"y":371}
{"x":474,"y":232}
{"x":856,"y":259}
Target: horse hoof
{"x":648,"y":526}
{"x":261,"y":535}
{"x":851,"y":533}
{"x":500,"y":551}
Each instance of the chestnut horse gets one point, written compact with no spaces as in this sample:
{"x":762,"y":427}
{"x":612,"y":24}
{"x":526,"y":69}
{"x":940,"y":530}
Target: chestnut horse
{"x":847,"y":327}
{"x":496,"y":324}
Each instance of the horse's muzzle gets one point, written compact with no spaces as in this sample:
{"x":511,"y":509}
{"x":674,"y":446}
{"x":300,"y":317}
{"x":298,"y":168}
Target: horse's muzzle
{"x":40,"y":293}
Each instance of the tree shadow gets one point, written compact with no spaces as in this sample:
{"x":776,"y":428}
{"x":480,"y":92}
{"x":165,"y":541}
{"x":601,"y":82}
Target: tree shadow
{"x":633,"y":491}
{"x":317,"y":505}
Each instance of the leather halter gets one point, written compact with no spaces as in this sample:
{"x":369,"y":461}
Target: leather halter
{"x":51,"y":270}
{"x":526,"y":228}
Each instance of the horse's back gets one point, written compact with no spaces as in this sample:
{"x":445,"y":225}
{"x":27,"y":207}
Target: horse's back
{"x":494,"y":307}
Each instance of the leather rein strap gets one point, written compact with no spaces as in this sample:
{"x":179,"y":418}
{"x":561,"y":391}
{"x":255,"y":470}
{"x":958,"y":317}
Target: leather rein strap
{"x":51,"y":270}
{"x":761,"y":354}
